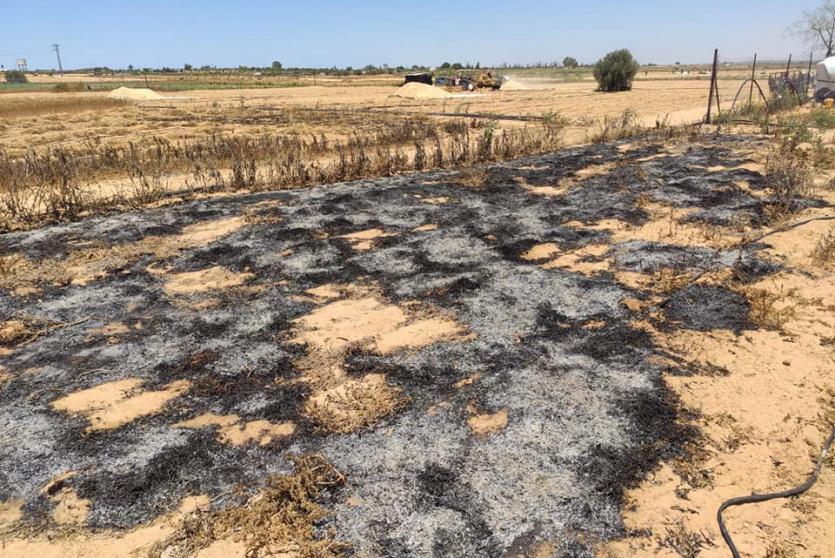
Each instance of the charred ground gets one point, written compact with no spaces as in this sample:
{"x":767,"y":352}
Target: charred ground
{"x":555,"y":348}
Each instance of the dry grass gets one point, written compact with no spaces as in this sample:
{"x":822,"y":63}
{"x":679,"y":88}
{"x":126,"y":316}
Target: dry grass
{"x":788,"y":177}
{"x":471,"y":178}
{"x":17,"y":107}
{"x":668,"y":280}
{"x":614,"y":128}
{"x":767,"y":309}
{"x":824,"y":253}
{"x":684,"y":542}
{"x":280,"y":519}
{"x":56,"y":185}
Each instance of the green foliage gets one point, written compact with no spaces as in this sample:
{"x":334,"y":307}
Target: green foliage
{"x":570,"y":62}
{"x":276,"y":65}
{"x":616,"y":71}
{"x":823,"y":118}
{"x":16,"y":76}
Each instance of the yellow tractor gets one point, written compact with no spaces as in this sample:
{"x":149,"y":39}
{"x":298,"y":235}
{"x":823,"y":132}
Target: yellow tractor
{"x":487,"y":81}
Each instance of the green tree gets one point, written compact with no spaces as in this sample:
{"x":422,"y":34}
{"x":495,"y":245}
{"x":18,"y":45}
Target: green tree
{"x":188,"y":67}
{"x":570,"y":62}
{"x":445,"y":66}
{"x":457,"y":66}
{"x":616,"y":71}
{"x":276,"y":65}
{"x":16,"y":76}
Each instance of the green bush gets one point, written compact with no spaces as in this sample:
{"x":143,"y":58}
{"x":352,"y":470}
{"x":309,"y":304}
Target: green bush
{"x":16,"y":76}
{"x":616,"y":71}
{"x":570,"y":62}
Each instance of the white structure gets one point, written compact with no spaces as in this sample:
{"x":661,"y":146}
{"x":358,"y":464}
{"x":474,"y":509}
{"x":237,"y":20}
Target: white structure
{"x":21,"y":64}
{"x":825,"y":88}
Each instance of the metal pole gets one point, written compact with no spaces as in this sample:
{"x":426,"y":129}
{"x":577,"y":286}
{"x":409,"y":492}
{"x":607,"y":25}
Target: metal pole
{"x":808,"y":75}
{"x":56,"y":48}
{"x":753,"y":76}
{"x":788,"y":66}
{"x":712,"y":84}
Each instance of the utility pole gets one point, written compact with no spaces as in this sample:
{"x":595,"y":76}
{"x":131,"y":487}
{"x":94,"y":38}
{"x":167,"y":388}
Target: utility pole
{"x":56,"y":48}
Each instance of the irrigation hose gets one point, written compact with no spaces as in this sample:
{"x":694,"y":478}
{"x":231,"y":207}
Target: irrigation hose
{"x":755,"y":498}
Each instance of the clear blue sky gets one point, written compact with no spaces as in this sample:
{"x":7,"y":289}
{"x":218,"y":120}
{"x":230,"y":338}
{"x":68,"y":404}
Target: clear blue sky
{"x":323,"y":33}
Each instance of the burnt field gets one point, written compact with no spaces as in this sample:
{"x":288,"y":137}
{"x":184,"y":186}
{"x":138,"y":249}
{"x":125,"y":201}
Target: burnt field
{"x":472,"y":350}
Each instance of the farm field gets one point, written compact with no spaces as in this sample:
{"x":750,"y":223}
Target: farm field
{"x":113,"y":151}
{"x":331,"y":321}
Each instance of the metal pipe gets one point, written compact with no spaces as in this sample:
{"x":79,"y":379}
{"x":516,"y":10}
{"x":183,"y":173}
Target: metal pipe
{"x":753,"y":76}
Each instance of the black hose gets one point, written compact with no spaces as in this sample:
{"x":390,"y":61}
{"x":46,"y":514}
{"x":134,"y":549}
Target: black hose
{"x":754,"y":498}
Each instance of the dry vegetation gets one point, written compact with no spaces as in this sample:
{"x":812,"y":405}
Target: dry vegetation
{"x":278,"y":521}
{"x":55,"y":184}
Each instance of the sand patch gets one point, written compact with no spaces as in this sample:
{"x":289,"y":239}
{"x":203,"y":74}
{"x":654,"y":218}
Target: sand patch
{"x":114,"y":404}
{"x":426,"y":228}
{"x":205,"y":232}
{"x":327,"y":292}
{"x":414,"y":90}
{"x":335,"y":326}
{"x":665,"y":224}
{"x":438,"y":200}
{"x":365,"y":240}
{"x":354,"y":404}
{"x":69,"y":508}
{"x":262,"y":432}
{"x":10,"y":513}
{"x":546,"y":190}
{"x":488,"y":423}
{"x":113,"y":328}
{"x":417,"y":334}
{"x":210,"y":279}
{"x":344,"y":404}
{"x":587,"y":260}
{"x":14,"y":332}
{"x":136,"y":542}
{"x":234,"y":432}
{"x":85,"y":266}
{"x":763,"y":416}
{"x":541,"y":252}
{"x":134,"y":94}
{"x":749,"y":166}
{"x":229,"y":549}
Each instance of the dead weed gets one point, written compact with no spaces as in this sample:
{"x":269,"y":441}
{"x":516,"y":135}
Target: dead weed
{"x":279,"y":520}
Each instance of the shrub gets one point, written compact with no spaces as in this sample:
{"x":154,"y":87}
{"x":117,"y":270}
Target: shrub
{"x":16,"y":76}
{"x":570,"y":62}
{"x":616,"y":71}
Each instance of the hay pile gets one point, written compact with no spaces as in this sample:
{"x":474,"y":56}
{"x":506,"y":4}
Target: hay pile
{"x":414,"y":90}
{"x":133,"y":94}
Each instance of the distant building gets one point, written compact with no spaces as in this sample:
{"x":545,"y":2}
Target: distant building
{"x":21,"y":65}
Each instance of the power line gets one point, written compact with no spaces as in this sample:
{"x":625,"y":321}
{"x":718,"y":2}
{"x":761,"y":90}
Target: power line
{"x":56,"y":48}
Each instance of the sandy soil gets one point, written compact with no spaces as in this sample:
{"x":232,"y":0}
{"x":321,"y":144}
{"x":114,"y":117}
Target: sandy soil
{"x":199,"y":113}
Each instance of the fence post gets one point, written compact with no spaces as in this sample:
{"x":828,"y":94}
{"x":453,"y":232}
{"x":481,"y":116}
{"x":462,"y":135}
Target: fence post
{"x":753,"y":76}
{"x":788,"y":66}
{"x":808,"y":76}
{"x":712,"y":84}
